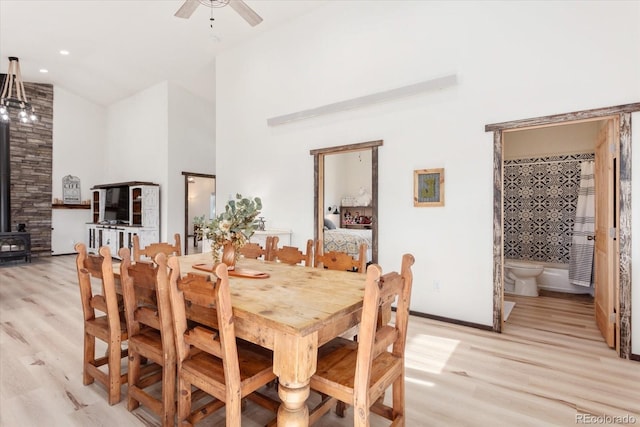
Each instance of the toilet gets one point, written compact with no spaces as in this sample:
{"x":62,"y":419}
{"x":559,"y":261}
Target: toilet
{"x":520,"y":277}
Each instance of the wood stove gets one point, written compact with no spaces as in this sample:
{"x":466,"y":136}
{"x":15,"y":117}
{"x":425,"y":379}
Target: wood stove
{"x":15,"y":245}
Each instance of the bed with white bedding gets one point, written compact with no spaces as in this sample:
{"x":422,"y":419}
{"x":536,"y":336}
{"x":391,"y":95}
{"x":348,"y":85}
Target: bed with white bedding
{"x":348,"y":240}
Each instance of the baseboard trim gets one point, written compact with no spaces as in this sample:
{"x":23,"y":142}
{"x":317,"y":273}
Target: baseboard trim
{"x":454,"y":321}
{"x":635,"y":357}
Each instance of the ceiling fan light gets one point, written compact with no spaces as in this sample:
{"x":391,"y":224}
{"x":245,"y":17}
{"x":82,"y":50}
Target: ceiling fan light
{"x":23,"y":114}
{"x":33,"y":117}
{"x":214,"y":3}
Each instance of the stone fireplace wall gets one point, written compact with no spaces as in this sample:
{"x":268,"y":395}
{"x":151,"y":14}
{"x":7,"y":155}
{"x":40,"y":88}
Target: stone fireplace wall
{"x":31,"y":159}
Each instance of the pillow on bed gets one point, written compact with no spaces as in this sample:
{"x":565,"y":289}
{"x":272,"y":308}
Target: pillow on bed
{"x":329,"y":225}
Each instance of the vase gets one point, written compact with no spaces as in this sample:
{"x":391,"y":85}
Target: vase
{"x":229,"y":254}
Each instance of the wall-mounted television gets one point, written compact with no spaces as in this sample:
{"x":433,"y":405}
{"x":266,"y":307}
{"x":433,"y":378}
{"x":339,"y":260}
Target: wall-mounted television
{"x":116,"y":206}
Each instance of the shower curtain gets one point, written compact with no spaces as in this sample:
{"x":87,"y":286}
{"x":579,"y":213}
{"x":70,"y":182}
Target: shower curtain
{"x":583,"y":240}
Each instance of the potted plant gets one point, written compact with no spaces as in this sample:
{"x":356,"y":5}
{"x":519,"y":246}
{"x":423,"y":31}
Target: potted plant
{"x":231,"y":230}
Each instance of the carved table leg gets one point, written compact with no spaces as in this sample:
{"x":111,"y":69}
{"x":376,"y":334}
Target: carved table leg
{"x":293,"y":411}
{"x":294,"y":361}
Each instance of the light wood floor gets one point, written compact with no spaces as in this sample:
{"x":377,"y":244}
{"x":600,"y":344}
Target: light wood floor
{"x":548,"y":367}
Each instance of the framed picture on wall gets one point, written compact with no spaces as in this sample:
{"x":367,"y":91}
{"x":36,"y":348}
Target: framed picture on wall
{"x":428,"y":187}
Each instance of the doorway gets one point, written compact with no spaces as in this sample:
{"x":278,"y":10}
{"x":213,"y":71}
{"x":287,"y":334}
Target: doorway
{"x":622,"y":115}
{"x":556,"y":181}
{"x":324,"y":207}
{"x":199,"y":202}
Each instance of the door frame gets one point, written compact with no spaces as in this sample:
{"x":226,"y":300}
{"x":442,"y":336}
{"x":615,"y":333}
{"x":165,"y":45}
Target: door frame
{"x":186,"y":175}
{"x":623,"y":113}
{"x":318,"y":187}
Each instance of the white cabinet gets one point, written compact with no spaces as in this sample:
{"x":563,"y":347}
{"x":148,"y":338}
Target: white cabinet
{"x":144,"y":206}
{"x":98,"y":197}
{"x":260,"y":237}
{"x":120,"y":211}
{"x":117,"y":236}
{"x":105,"y":235}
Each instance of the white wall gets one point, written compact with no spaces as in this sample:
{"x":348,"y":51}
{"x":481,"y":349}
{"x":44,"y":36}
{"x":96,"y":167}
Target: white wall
{"x":513,"y":60}
{"x":137,"y":143}
{"x":79,"y":141}
{"x":191,"y":149}
{"x":154,"y":136}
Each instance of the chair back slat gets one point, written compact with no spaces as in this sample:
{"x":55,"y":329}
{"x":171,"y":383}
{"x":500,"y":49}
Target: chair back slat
{"x":204,"y":339}
{"x":292,"y":255}
{"x":148,"y":316}
{"x":252,"y":250}
{"x":153,"y":249}
{"x":99,"y":303}
{"x":335,"y":260}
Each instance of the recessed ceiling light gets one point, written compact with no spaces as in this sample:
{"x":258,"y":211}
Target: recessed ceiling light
{"x":44,"y":70}
{"x":64,"y":52}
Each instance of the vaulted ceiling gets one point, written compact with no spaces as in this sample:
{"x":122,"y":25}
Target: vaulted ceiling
{"x":120,"y":47}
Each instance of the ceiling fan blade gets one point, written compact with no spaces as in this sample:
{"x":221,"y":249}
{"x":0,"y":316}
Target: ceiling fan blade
{"x":187,"y":9}
{"x":246,"y":12}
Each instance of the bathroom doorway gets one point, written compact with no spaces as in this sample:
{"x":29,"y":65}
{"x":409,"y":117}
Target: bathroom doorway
{"x":544,"y":170}
{"x":620,"y":117}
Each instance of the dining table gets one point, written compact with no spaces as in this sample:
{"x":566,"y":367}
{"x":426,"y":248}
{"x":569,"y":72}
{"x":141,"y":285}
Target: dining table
{"x":289,"y":309}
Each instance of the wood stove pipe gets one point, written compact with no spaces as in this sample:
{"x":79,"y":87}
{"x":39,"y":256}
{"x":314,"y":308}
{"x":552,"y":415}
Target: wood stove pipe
{"x":5,"y":179}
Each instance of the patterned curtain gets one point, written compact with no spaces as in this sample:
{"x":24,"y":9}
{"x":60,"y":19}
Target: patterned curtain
{"x":582,"y":247}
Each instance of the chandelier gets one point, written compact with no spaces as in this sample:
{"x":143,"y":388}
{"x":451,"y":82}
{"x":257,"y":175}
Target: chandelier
{"x":13,"y":96}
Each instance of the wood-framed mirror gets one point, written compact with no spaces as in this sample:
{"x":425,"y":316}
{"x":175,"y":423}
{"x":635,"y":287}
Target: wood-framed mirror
{"x":199,"y":200}
{"x":345,"y":179}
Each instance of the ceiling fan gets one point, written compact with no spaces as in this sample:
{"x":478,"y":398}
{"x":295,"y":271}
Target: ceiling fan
{"x":249,"y":15}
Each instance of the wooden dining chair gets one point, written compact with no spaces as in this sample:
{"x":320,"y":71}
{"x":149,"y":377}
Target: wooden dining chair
{"x":358,"y":373}
{"x":150,"y":251}
{"x":292,"y":255}
{"x":108,"y":327}
{"x":335,"y":260}
{"x":209,"y":360}
{"x":150,"y":328}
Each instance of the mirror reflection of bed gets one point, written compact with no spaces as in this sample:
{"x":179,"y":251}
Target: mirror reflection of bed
{"x":348,"y":218}
{"x":348,"y":240}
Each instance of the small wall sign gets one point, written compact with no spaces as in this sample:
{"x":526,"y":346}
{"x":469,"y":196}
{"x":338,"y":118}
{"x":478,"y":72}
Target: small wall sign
{"x":71,"y":190}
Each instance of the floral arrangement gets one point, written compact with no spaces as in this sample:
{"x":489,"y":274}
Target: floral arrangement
{"x":236,"y":224}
